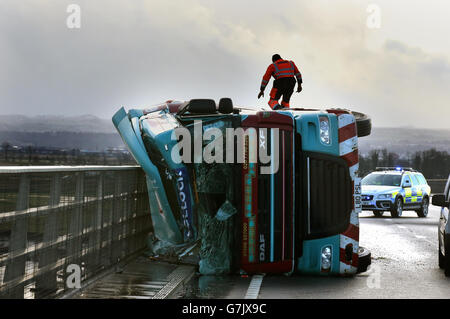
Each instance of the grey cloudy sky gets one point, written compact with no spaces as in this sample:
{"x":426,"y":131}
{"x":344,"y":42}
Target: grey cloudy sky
{"x":141,"y":52}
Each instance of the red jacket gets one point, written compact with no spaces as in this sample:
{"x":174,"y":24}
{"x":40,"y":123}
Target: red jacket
{"x":281,"y":69}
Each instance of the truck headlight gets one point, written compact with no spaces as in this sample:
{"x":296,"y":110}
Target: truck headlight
{"x":324,"y":128}
{"x":326,"y":259}
{"x":384,"y":196}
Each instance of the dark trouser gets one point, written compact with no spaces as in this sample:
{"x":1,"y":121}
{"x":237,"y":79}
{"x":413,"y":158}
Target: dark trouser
{"x":283,"y":87}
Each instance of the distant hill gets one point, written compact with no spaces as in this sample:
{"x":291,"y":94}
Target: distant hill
{"x":405,"y":140}
{"x":55,"y":123}
{"x":92,"y":133}
{"x":64,"y":140}
{"x":80,"y":132}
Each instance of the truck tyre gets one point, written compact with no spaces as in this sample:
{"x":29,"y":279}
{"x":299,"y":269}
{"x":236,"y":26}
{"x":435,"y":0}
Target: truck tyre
{"x":364,"y":259}
{"x":423,"y":211}
{"x":225,"y":105}
{"x":202,"y":106}
{"x":363,"y":124}
{"x":397,"y":208}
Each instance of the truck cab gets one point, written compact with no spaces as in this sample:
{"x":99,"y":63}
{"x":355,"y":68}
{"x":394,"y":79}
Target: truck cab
{"x":259,"y":191}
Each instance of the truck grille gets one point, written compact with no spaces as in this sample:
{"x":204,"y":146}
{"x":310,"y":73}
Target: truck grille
{"x":328,"y":193}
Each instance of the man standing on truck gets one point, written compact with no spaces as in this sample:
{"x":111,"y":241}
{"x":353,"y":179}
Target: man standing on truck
{"x":284,"y":73}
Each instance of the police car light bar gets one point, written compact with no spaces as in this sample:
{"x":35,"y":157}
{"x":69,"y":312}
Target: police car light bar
{"x":398,"y":169}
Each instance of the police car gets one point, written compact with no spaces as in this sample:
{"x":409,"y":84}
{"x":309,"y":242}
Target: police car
{"x":395,"y":189}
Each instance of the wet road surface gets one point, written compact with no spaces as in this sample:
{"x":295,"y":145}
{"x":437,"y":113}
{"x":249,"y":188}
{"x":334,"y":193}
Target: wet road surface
{"x":404,"y":265}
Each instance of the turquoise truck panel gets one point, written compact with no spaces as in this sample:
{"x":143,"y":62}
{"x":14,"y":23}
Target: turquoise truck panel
{"x":310,"y":262}
{"x":307,"y":124}
{"x":161,"y":212}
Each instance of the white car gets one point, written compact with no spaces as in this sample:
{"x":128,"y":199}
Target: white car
{"x":443,"y":201}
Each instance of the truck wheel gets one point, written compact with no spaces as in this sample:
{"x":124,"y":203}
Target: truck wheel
{"x":364,"y":259}
{"x":378,"y":213}
{"x":397,"y":209}
{"x":423,"y":211}
{"x":363,"y":124}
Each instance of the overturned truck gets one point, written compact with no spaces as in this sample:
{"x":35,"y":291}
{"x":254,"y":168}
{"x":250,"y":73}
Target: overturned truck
{"x":251,"y":191}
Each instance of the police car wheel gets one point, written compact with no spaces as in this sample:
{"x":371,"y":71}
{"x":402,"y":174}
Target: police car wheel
{"x":364,"y":259}
{"x":423,"y":211}
{"x":363,"y":124}
{"x":397,"y":209}
{"x":378,"y":213}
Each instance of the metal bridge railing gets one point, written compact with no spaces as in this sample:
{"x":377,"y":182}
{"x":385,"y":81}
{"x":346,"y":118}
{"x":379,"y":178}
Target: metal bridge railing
{"x":90,"y":217}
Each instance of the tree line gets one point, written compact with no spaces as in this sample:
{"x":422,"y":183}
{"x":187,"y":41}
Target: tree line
{"x":431,"y":163}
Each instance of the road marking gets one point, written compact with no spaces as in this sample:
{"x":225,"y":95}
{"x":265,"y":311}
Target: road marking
{"x":425,"y":238}
{"x":254,"y":287}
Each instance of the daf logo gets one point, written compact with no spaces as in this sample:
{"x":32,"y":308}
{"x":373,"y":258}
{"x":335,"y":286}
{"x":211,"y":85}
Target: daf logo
{"x":262,"y":248}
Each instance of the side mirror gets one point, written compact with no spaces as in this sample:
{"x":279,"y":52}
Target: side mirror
{"x":439,"y":200}
{"x":405,"y":184}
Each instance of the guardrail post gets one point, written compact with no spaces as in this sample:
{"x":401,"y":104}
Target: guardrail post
{"x":141,"y":204}
{"x":18,"y":240}
{"x":47,"y":283}
{"x":75,"y":227}
{"x":116,"y":218}
{"x":96,"y":223}
{"x":126,"y":212}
